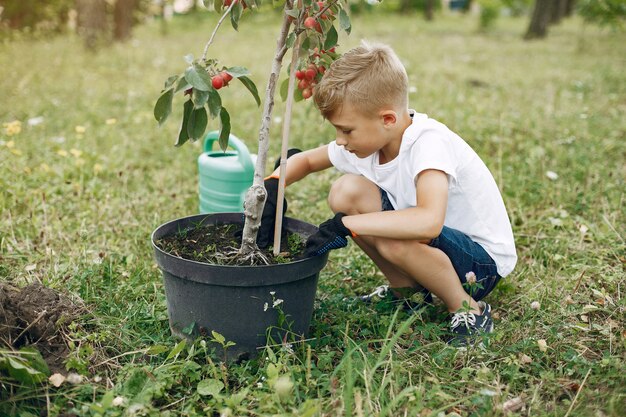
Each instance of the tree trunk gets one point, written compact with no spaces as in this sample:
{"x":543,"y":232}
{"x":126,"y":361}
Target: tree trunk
{"x":429,"y":6}
{"x":538,"y":27}
{"x":92,"y":21}
{"x":123,"y":19}
{"x":569,"y":8}
{"x":559,"y":8}
{"x":404,"y":6}
{"x":256,"y":195}
{"x":467,"y":6}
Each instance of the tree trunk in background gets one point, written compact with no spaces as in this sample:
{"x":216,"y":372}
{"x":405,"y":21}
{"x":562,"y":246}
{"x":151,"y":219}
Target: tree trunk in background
{"x":404,"y":6}
{"x":92,"y":21}
{"x":569,"y":8}
{"x":468,"y":6}
{"x":538,"y":27}
{"x":429,"y":6}
{"x":123,"y":19}
{"x":559,"y":9}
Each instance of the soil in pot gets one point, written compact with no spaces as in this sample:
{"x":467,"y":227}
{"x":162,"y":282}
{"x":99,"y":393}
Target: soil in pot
{"x":218,"y":244}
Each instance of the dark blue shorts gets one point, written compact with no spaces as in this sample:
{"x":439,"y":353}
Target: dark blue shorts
{"x":465,"y":255}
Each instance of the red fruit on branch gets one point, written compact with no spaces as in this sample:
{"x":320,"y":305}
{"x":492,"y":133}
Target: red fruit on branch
{"x":217,"y":81}
{"x":226,"y":77}
{"x":321,"y":69}
{"x":302,"y":84}
{"x":307,"y":93}
{"x":188,"y":92}
{"x":310,"y":22}
{"x":310,"y":74}
{"x":300,"y":75}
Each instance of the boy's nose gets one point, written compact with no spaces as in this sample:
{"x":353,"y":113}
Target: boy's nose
{"x":341,"y":141}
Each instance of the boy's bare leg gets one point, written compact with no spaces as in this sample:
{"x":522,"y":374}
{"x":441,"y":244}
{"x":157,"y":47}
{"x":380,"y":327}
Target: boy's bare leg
{"x":403,"y":262}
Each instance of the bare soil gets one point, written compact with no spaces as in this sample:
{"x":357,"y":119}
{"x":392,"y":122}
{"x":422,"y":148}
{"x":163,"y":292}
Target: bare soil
{"x":37,"y":316}
{"x":219,"y":243}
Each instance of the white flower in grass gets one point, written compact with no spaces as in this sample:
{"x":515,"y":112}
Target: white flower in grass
{"x":119,"y":401}
{"x":583,"y":229}
{"x":542,"y":344}
{"x":552,"y":175}
{"x":535,"y":305}
{"x":277,"y":302}
{"x":265,"y":307}
{"x":470,"y":278}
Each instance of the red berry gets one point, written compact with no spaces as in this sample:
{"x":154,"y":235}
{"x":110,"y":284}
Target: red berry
{"x":310,"y":74}
{"x":310,"y":22}
{"x":318,"y":27}
{"x":300,"y":75}
{"x":307,"y":93}
{"x":321,"y":69}
{"x":226,"y":77}
{"x":217,"y":81}
{"x":188,"y":92}
{"x":302,"y":84}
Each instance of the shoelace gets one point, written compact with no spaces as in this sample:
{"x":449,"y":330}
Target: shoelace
{"x":468,"y":318}
{"x":379,"y":291}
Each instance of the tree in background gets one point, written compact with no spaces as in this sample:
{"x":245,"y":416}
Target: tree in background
{"x":92,"y":21}
{"x":548,"y":12}
{"x":604,"y":12}
{"x":123,"y":19}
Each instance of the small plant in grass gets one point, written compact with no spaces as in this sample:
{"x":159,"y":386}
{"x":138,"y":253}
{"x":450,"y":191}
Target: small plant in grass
{"x":309,"y":30}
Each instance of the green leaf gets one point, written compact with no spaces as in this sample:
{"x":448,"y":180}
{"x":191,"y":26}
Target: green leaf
{"x":216,"y":336}
{"x":200,"y":98}
{"x":326,"y":25}
{"x":198,"y":77}
{"x":170,"y":81}
{"x":291,"y":39}
{"x":156,"y":350}
{"x":306,"y":44}
{"x":182,"y":133}
{"x":188,"y":58}
{"x":235,"y":15}
{"x":163,"y":106}
{"x":217,"y":5}
{"x":214,"y":104}
{"x":297,"y":95}
{"x":182,"y":85}
{"x":331,"y":38}
{"x":21,"y":371}
{"x":177,"y":349}
{"x":210,"y":387}
{"x":224,"y":131}
{"x":238,"y":71}
{"x":284,"y":89}
{"x":195,"y":130}
{"x":251,"y":87}
{"x":344,"y":21}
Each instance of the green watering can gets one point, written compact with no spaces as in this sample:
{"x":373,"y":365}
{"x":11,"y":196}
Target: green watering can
{"x":224,"y":176}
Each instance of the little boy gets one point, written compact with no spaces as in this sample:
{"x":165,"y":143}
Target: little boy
{"x":414,"y":196}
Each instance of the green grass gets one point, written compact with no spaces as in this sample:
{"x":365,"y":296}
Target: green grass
{"x":527,"y":108}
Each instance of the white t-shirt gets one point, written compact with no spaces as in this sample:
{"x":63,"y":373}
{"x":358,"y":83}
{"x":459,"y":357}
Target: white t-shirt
{"x":475,"y":206}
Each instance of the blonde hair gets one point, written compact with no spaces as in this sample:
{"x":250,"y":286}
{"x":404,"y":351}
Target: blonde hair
{"x":369,"y":77}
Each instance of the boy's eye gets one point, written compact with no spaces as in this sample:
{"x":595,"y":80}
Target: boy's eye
{"x":346,"y":132}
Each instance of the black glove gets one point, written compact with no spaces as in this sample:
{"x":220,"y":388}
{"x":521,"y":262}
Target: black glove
{"x":265,"y":237}
{"x":331,"y":235}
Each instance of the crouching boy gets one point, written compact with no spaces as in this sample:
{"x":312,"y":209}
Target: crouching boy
{"x":414,"y":196}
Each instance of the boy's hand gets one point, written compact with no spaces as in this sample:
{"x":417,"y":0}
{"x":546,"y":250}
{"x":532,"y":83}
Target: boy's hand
{"x":331,"y":235}
{"x":268,"y":218}
{"x":265,"y":237}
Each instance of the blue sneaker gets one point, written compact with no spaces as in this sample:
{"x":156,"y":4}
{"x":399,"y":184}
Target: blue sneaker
{"x":467,"y":328}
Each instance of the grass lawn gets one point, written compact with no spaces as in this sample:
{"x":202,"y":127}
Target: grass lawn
{"x":82,"y":188}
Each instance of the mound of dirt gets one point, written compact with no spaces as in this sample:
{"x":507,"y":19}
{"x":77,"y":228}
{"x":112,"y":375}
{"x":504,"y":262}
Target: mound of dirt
{"x":37,"y":316}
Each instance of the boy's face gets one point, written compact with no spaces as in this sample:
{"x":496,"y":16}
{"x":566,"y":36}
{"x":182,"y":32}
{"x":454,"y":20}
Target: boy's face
{"x":360,"y":134}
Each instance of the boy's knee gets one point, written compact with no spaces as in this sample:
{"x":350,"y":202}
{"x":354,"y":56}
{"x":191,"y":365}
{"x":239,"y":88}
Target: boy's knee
{"x":393,"y":250}
{"x":347,"y":194}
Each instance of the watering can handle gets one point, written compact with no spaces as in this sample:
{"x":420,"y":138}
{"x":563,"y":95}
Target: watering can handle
{"x":234,"y":142}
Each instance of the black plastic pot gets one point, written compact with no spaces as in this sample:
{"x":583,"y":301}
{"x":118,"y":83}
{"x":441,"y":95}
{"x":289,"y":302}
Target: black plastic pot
{"x":237,"y":301}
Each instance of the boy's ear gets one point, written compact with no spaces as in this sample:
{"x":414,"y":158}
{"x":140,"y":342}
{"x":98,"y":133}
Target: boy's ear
{"x":389,"y":117}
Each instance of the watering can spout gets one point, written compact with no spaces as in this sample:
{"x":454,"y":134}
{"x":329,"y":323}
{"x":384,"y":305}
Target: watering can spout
{"x":224,"y":176}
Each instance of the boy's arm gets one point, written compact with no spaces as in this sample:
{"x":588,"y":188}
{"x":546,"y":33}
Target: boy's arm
{"x":423,"y":222}
{"x":304,"y":163}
